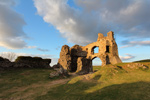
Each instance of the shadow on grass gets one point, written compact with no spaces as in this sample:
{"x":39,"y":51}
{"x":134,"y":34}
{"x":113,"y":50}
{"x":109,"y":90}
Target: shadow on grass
{"x":126,"y":91}
{"x":22,"y":77}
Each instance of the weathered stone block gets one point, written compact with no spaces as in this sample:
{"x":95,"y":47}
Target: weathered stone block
{"x":65,"y":58}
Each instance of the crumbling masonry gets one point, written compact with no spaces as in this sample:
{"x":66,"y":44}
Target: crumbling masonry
{"x":79,"y":58}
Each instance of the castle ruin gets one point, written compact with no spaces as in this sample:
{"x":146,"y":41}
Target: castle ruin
{"x":79,"y":58}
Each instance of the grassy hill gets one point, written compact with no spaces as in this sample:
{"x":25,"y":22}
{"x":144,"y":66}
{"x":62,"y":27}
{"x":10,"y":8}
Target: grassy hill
{"x":111,"y":82}
{"x":146,"y":60}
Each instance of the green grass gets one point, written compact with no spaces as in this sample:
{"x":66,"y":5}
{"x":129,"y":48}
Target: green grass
{"x":95,"y":68}
{"x":125,"y":91}
{"x":16,"y":82}
{"x":22,"y":77}
{"x":107,"y":83}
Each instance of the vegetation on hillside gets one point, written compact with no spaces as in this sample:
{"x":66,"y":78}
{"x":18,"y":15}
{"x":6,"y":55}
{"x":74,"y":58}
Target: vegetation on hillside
{"x":111,"y":82}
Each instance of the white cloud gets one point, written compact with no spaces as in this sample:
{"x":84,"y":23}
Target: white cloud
{"x":72,"y":23}
{"x":130,"y":18}
{"x":54,"y":61}
{"x":43,"y":50}
{"x":11,"y":26}
{"x":127,"y":57}
{"x":8,"y":2}
{"x":135,"y":43}
{"x":31,"y":47}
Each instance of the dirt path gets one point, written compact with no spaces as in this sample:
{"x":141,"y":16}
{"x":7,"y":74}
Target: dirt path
{"x":32,"y":91}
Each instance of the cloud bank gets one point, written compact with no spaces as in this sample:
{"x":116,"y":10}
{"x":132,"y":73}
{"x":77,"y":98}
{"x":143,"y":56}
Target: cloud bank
{"x":81,"y":22}
{"x":11,"y":26}
{"x":127,"y":57}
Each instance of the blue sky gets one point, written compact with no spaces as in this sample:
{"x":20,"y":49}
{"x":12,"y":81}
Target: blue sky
{"x":41,"y":27}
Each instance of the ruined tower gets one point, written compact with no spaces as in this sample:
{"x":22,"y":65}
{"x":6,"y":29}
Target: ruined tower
{"x":80,"y":57}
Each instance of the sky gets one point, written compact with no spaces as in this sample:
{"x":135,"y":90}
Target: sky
{"x":42,"y":27}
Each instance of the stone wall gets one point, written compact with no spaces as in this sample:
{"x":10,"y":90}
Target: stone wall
{"x":65,"y":58}
{"x":84,"y":66}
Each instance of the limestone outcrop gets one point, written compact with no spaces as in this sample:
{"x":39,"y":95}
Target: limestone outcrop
{"x":79,"y":58}
{"x":25,"y":62}
{"x":5,"y":63}
{"x":32,"y":62}
{"x":136,"y":66}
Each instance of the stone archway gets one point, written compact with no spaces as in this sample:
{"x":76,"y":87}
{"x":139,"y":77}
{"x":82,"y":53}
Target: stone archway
{"x":94,"y":61}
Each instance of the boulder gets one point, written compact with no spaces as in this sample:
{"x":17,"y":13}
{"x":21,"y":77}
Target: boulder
{"x":59,"y":72}
{"x":53,"y":74}
{"x":63,"y":72}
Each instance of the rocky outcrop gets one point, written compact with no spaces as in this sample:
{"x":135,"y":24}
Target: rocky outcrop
{"x":5,"y":63}
{"x":65,"y":58}
{"x":136,"y":66}
{"x":32,"y":62}
{"x":25,"y":62}
{"x":59,"y":72}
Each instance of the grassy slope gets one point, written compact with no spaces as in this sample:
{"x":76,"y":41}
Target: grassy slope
{"x":146,"y":60}
{"x":24,"y":83}
{"x":108,"y":83}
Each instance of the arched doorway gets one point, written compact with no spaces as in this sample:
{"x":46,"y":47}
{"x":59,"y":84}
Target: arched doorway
{"x":96,"y":63}
{"x":107,"y":60}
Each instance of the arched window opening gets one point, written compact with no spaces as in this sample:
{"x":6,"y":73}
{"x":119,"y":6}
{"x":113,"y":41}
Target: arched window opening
{"x":95,"y":50}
